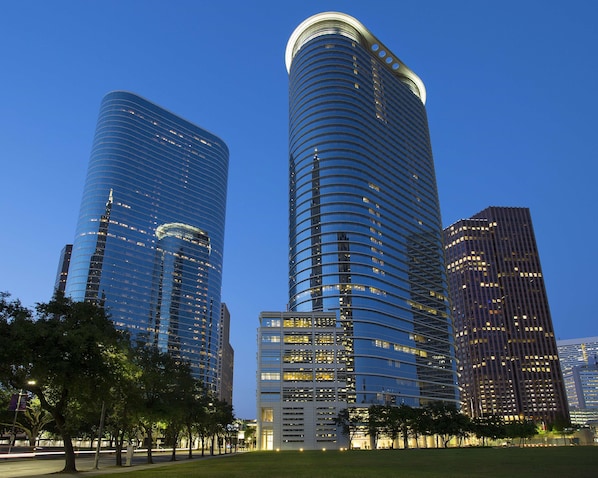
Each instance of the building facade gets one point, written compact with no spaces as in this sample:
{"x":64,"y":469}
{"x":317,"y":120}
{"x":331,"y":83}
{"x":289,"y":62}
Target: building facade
{"x":302,"y":381}
{"x":365,"y":227}
{"x":579,"y":364}
{"x":506,"y":349}
{"x":63,"y":268}
{"x":150,"y":233}
{"x":226,"y":357}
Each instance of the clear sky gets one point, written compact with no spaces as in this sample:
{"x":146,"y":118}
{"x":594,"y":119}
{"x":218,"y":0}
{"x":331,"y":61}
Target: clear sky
{"x":512,"y":105}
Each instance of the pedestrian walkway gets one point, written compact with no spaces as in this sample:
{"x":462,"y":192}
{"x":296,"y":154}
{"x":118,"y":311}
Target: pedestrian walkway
{"x":32,"y":466}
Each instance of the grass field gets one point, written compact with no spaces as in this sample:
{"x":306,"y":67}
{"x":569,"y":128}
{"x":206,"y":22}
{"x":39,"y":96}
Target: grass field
{"x":561,"y":462}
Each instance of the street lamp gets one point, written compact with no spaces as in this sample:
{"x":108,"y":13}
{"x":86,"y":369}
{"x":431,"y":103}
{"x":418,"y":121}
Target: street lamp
{"x":20,"y":406}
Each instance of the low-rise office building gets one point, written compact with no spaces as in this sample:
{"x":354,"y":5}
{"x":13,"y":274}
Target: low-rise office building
{"x":302,"y":381}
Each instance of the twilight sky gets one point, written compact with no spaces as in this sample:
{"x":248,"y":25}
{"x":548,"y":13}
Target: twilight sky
{"x":511,"y":101}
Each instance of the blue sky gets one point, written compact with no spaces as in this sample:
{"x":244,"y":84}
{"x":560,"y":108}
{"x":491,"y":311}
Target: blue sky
{"x":511,"y":102}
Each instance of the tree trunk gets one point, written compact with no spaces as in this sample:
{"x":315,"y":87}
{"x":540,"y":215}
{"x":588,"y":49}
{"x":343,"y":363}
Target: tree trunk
{"x":150,"y":459}
{"x":190,"y":445}
{"x":175,"y":439}
{"x":69,"y":451}
{"x":120,"y":437}
{"x":69,"y":454}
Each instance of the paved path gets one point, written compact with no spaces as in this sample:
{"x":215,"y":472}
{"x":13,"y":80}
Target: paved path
{"x":32,"y":466}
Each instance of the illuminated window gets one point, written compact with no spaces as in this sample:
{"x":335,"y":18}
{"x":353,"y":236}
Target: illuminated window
{"x":297,"y":339}
{"x":271,"y":338}
{"x":297,"y":376}
{"x":267,"y":414}
{"x":271,"y":323}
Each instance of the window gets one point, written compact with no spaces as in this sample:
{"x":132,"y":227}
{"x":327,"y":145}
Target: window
{"x":270,"y":338}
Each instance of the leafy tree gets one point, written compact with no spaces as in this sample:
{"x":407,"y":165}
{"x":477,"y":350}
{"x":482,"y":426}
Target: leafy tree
{"x":404,"y":417}
{"x":194,"y":409}
{"x":350,"y":420}
{"x":249,"y":436}
{"x":220,"y":414}
{"x":522,"y":429}
{"x":124,"y":402}
{"x":60,"y":353}
{"x":182,"y":400}
{"x":157,"y":382}
{"x":376,"y":423}
{"x":492,"y":426}
{"x":447,"y":421}
{"x":421,"y":424}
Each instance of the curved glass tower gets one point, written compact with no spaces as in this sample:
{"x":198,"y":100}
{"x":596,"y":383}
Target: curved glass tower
{"x":365,"y":233}
{"x":150,"y":235}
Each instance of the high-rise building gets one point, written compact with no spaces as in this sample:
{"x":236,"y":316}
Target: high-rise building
{"x":365,"y":227}
{"x":302,"y":381}
{"x":226,"y":357}
{"x":63,"y":268}
{"x":150,"y":234}
{"x":579,"y":364}
{"x":506,"y":349}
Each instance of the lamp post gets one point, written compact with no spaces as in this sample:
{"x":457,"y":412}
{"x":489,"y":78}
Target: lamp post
{"x":18,"y":407}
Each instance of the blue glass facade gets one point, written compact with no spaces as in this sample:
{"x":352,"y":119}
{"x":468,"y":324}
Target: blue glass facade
{"x":150,"y":234}
{"x":365,"y":228}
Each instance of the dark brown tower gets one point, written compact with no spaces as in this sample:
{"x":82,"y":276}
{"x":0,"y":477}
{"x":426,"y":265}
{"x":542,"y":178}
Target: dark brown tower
{"x":507,"y":356}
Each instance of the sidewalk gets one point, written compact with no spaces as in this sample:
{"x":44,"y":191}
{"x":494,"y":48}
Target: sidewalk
{"x":32,"y":466}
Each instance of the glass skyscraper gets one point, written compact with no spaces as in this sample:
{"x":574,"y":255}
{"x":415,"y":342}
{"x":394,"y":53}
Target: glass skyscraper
{"x":150,"y":234}
{"x":365,"y":234}
{"x":579,"y":364}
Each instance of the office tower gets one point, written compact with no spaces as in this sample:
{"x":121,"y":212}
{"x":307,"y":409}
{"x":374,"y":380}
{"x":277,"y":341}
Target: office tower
{"x":63,"y":268}
{"x":365,"y":228}
{"x":506,"y":349}
{"x":579,"y":364}
{"x":150,"y":234}
{"x":226,"y":357}
{"x":302,"y":383}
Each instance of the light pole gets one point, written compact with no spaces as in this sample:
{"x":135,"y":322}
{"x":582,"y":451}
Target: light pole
{"x":13,"y":434}
{"x":100,"y":433}
{"x":19,"y":406}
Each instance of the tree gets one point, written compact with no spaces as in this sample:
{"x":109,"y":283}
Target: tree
{"x":421,"y":424}
{"x":249,"y":436}
{"x":194,"y":408}
{"x":125,"y":400}
{"x":158,"y":383}
{"x":350,"y":420}
{"x":447,"y":421}
{"x":62,"y":355}
{"x":376,"y":422}
{"x":492,"y":426}
{"x":405,"y":415}
{"x":182,"y":400}
{"x":522,"y":429}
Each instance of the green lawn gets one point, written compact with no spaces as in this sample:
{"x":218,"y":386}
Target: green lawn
{"x":561,"y":462}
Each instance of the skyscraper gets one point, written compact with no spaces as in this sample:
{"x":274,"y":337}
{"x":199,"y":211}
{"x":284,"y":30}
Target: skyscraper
{"x":63,"y":268}
{"x":365,"y":228}
{"x":150,"y":234}
{"x":226,"y":357}
{"x":507,"y":353}
{"x":579,"y":364}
